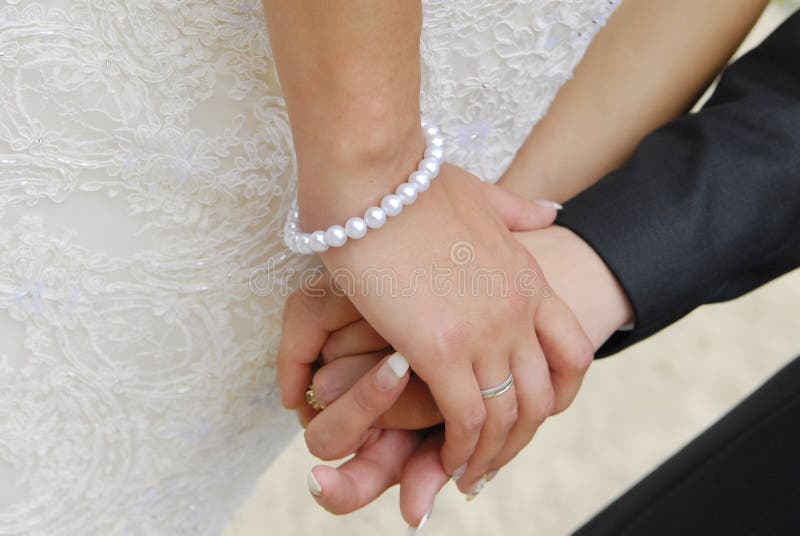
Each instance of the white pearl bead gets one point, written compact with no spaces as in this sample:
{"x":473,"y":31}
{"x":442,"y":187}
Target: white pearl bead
{"x":392,"y":205}
{"x":291,"y":242}
{"x":431,"y":130}
{"x":436,"y":141}
{"x":430,"y":166}
{"x":420,"y":179}
{"x":375,"y":217}
{"x":335,"y":236}
{"x":435,"y":152}
{"x":355,"y":227}
{"x":407,"y":193}
{"x":318,"y":244}
{"x":304,"y":244}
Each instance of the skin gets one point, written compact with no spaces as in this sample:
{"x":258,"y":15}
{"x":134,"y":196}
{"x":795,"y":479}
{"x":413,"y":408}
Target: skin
{"x":363,"y":130}
{"x":366,"y":55}
{"x":637,"y":74}
{"x":503,"y":330}
{"x":649,"y":64}
{"x":405,"y":453}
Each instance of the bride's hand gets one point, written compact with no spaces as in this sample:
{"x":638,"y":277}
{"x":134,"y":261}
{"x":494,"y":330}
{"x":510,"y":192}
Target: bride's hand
{"x":320,"y":321}
{"x":470,"y":319}
{"x":460,"y":340}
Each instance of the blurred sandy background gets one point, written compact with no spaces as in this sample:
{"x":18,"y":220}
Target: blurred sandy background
{"x":634,"y":410}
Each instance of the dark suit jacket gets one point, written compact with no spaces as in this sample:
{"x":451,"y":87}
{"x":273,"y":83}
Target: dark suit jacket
{"x":708,"y":207}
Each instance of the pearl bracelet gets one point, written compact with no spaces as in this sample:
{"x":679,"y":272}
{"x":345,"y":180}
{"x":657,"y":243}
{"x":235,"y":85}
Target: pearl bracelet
{"x":391,"y":205}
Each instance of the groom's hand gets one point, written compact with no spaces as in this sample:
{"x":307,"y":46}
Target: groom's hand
{"x":382,"y":458}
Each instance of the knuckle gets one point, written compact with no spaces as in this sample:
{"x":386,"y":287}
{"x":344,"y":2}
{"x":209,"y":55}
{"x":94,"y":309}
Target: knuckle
{"x":577,"y":359}
{"x":509,"y":418}
{"x":517,"y":304}
{"x":582,"y":356}
{"x":542,"y":407}
{"x":453,"y":340}
{"x":471,"y":421}
{"x":548,"y":405}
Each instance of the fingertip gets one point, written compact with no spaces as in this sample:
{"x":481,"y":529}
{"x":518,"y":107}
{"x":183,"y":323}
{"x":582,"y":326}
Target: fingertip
{"x":398,"y":363}
{"x":541,"y":214}
{"x":546,"y":203}
{"x":454,"y":460}
{"x":422,"y":479}
{"x":313,"y":483}
{"x":415,"y":528}
{"x":331,"y":489}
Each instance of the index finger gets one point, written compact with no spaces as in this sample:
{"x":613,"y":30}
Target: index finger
{"x":309,"y":317}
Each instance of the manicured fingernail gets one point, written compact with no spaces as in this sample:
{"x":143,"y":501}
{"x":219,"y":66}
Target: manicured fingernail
{"x":490,"y":475}
{"x":460,"y":472}
{"x":391,"y":372}
{"x":313,"y":484}
{"x":416,"y":531}
{"x":477,"y":489}
{"x":548,"y":204}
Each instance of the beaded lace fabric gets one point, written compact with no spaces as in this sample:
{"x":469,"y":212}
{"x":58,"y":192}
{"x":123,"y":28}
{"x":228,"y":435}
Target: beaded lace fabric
{"x":146,"y":167}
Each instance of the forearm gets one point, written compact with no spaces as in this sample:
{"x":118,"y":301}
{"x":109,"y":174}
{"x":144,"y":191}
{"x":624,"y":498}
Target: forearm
{"x":350,"y":74}
{"x":708,"y":207}
{"x":649,"y":64}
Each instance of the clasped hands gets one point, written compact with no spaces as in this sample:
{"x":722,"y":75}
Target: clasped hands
{"x":477,"y":308}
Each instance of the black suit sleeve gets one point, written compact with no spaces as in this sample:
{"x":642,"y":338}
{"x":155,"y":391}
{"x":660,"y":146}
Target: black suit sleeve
{"x":708,"y":207}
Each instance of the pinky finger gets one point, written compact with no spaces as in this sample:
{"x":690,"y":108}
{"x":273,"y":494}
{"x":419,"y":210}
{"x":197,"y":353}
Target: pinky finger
{"x":535,"y":396}
{"x":567,"y":347}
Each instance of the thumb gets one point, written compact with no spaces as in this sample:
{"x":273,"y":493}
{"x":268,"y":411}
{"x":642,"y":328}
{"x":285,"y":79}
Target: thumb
{"x":422,"y":478}
{"x":518,"y":213}
{"x":413,"y":410}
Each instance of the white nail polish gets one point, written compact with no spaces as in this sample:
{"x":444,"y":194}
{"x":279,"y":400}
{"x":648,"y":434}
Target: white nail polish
{"x":477,"y":489}
{"x":416,"y":531}
{"x":313,"y":484}
{"x":460,"y":472}
{"x":398,"y":364}
{"x":548,"y":204}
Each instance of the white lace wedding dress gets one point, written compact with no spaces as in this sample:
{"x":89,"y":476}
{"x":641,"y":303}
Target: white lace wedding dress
{"x":146,"y":166}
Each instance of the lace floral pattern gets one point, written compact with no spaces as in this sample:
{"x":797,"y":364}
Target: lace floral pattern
{"x":146,"y":166}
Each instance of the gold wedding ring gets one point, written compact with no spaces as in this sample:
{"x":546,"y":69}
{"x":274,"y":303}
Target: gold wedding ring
{"x":311,"y":398}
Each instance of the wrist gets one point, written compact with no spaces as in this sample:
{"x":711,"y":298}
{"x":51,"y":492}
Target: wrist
{"x":580,"y":277}
{"x":350,"y":168}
